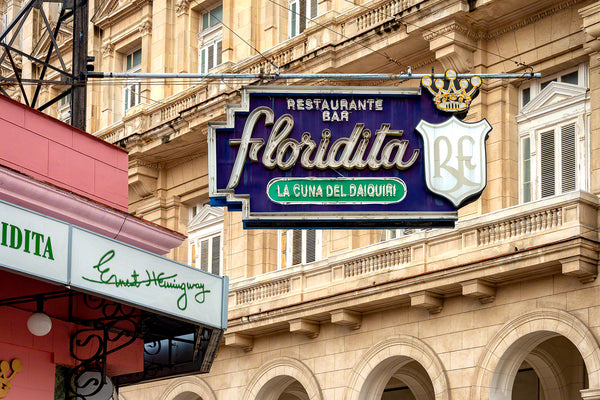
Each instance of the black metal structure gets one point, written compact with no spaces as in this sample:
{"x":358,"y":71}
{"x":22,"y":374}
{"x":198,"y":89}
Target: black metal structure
{"x":171,"y":347}
{"x":73,"y":17}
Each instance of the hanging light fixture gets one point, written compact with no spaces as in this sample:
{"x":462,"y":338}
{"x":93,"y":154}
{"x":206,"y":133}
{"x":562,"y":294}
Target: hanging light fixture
{"x":39,"y":324}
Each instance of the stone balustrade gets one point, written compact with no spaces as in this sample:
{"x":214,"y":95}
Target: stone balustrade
{"x":325,"y":30}
{"x":423,"y":253}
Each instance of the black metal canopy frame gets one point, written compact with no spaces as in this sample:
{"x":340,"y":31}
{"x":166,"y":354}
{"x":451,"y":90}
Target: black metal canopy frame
{"x":171,"y":347}
{"x":73,"y":16}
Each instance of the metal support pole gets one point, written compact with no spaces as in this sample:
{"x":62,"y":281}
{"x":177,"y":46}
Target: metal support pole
{"x":80,"y":47}
{"x":147,"y":75}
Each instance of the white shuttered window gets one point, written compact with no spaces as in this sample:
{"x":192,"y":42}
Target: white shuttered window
{"x":554,"y":126}
{"x":558,"y":160}
{"x":299,"y":246}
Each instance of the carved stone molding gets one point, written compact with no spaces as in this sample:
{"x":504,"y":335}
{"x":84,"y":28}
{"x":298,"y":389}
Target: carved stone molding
{"x":347,"y":318}
{"x":427,"y":300}
{"x":548,"y":12}
{"x":145,"y":28}
{"x":108,"y":50}
{"x":182,"y":7}
{"x":479,"y":289}
{"x":449,"y":29}
{"x":453,"y":45}
{"x":581,"y":267}
{"x":305,"y":327}
{"x":142,"y":179}
{"x":591,"y":26}
{"x":244,"y":342}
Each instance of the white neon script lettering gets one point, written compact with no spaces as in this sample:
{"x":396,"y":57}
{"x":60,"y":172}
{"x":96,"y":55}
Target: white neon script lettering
{"x":349,"y":152}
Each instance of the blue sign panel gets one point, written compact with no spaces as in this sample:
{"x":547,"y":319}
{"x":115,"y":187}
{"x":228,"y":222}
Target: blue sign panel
{"x":307,"y":157}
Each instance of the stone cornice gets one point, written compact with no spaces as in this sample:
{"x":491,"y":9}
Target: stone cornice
{"x":451,"y":28}
{"x":182,"y":7}
{"x":532,"y":19}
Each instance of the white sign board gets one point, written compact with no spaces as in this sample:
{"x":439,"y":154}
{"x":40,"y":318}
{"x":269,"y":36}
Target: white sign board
{"x":52,"y":250}
{"x":33,"y":244}
{"x":113,"y":269}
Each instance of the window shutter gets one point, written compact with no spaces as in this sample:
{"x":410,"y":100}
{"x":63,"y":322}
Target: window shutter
{"x":204,"y":255}
{"x":216,"y":255}
{"x":568,"y":158}
{"x":302,"y":16}
{"x":313,"y":8}
{"x":203,"y":61}
{"x":293,"y":18}
{"x":297,"y":247}
{"x":547,"y":163}
{"x":211,"y":57}
{"x":311,"y":245}
{"x":526,"y":169}
{"x":219,"y":52}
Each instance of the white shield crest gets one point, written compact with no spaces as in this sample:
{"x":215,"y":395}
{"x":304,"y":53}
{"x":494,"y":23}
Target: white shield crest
{"x":455,"y":161}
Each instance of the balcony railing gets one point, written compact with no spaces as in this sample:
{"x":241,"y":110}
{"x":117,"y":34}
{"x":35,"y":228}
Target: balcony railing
{"x":427,"y":252}
{"x":349,"y":24}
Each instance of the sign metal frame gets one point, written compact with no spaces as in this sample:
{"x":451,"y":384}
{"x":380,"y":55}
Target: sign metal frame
{"x":227,"y":196}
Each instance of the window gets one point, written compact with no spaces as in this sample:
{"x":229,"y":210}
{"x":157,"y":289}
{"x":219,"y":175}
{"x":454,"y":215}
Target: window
{"x":131,"y":92}
{"x":210,"y":56}
{"x":210,"y":39}
{"x":206,"y":254}
{"x":300,"y":12}
{"x":553,"y":130}
{"x":298,"y":246}
{"x":212,"y":18}
{"x":531,"y":89}
{"x":389,"y":234}
{"x":205,"y":243}
{"x":63,"y":111}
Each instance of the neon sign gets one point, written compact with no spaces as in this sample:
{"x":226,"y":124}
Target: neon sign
{"x":294,"y":157}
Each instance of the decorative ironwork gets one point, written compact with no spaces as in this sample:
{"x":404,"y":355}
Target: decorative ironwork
{"x":115,"y":327}
{"x":7,"y":373}
{"x":452,"y":94}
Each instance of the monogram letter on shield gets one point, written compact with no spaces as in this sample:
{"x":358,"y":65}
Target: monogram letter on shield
{"x":455,"y":162}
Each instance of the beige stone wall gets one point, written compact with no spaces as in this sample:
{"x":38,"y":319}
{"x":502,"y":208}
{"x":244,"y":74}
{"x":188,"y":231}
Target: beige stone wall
{"x":452,"y":314}
{"x":458,"y":340}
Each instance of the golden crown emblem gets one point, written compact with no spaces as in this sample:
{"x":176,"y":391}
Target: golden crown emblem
{"x":450,"y":94}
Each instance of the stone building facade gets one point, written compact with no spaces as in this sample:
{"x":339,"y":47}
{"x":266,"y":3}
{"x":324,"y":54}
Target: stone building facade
{"x":505,"y":305}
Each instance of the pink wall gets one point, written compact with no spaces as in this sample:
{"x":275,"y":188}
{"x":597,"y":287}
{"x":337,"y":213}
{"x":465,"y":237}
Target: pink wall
{"x":51,"y":151}
{"x":39,"y":355}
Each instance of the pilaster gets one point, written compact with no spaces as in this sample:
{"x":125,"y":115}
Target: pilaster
{"x":145,"y":30}
{"x":591,"y":27}
{"x":183,"y":31}
{"x":108,"y":91}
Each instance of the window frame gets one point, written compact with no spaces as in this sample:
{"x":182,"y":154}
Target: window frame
{"x":133,"y":87}
{"x":556,"y":107}
{"x":63,"y":109}
{"x":289,"y":250}
{"x":295,"y":15}
{"x":210,"y":39}
{"x":205,"y":225}
{"x":558,"y":158}
{"x":534,"y":86}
